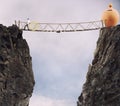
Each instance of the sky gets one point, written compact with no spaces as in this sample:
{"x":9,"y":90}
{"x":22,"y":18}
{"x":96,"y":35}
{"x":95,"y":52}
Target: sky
{"x":60,"y":61}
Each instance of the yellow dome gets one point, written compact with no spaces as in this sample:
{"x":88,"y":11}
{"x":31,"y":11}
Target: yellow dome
{"x":110,"y":17}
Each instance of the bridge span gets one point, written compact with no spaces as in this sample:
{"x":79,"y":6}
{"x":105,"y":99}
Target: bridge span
{"x":59,"y":27}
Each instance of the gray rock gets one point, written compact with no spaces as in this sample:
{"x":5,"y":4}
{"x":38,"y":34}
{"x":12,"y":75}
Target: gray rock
{"x":102,"y":86}
{"x":16,"y":75}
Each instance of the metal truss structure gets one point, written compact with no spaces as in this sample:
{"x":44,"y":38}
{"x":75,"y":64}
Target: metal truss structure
{"x":60,"y":27}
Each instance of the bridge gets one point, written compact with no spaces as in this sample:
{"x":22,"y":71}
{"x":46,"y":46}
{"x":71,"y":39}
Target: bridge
{"x":60,"y":27}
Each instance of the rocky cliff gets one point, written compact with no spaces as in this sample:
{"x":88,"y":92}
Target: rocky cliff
{"x":16,"y":75}
{"x":102,"y":86}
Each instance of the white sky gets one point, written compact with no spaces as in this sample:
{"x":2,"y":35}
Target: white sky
{"x":60,"y":61}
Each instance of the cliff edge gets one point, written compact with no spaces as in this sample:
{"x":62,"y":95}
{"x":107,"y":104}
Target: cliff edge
{"x":16,"y":75}
{"x":102,"y":86}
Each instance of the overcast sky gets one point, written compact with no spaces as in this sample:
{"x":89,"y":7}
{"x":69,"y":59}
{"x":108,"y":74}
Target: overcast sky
{"x":60,"y":61}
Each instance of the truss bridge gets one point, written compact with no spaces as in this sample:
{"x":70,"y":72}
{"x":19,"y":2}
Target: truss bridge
{"x":59,"y":27}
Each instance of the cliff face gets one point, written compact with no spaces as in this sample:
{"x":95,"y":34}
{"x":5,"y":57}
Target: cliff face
{"x":16,"y":75}
{"x":102,"y":86}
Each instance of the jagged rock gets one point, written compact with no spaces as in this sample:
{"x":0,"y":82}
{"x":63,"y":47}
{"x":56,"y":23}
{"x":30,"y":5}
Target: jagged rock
{"x":16,"y":75}
{"x":102,"y":86}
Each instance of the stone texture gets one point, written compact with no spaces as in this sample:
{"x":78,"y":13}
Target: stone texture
{"x":102,"y":86}
{"x":16,"y":75}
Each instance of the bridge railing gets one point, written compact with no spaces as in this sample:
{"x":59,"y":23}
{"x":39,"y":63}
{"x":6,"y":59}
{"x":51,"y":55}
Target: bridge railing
{"x":60,"y":27}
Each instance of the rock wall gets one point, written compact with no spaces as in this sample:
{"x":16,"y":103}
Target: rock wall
{"x":16,"y":75}
{"x":102,"y":86}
